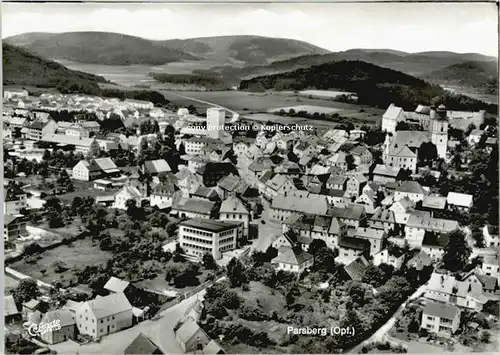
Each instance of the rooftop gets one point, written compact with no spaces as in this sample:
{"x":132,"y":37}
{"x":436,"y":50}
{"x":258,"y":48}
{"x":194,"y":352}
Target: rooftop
{"x":209,"y":224}
{"x":441,"y":310}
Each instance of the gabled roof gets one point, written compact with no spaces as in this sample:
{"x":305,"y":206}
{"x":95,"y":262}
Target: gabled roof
{"x":459,"y":199}
{"x":386,"y":170}
{"x":109,"y":305}
{"x":359,"y":150}
{"x":359,"y":178}
{"x":65,"y":317}
{"x":476,"y":132}
{"x":10,"y":308}
{"x":353,"y":243}
{"x":187,"y":330}
{"x":356,"y":268}
{"x":370,"y":233}
{"x":292,"y":256}
{"x":434,"y":202}
{"x":441,"y":310}
{"x":157,"y":166}
{"x":420,"y":260}
{"x":393,"y":112}
{"x":106,"y":164}
{"x":116,"y":285}
{"x":352,"y":211}
{"x":233,"y":205}
{"x":490,"y":283}
{"x":194,"y":205}
{"x":432,"y":224}
{"x":301,"y":204}
{"x":410,"y":187}
{"x":68,"y":140}
{"x":212,"y":348}
{"x":335,"y":226}
{"x":383,"y":215}
{"x":142,"y":345}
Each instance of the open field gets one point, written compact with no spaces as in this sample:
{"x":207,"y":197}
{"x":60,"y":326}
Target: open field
{"x":137,"y":74}
{"x":308,"y":108}
{"x":82,"y":253}
{"x":324,"y":93}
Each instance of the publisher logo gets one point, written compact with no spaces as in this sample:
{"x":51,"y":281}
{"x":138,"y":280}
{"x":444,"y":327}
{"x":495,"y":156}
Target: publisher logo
{"x":38,"y":329}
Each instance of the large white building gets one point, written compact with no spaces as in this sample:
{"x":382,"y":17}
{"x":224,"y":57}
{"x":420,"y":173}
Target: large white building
{"x":216,"y":118}
{"x":401,"y":147}
{"x":200,"y":236}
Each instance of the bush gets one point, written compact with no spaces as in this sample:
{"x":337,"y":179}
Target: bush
{"x":364,"y":349}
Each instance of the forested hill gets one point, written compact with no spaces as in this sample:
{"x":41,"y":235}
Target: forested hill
{"x":20,"y":67}
{"x":375,"y":86}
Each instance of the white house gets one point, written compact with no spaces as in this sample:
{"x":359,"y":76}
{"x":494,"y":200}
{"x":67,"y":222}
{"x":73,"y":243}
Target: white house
{"x":490,"y":234}
{"x":104,"y":315}
{"x":292,"y":260}
{"x":394,"y":257}
{"x":459,"y":201}
{"x":127,"y":193}
{"x":440,"y":318}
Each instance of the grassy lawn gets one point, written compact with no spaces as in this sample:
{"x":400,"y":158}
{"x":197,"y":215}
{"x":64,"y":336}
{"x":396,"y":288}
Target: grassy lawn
{"x":82,"y":253}
{"x":9,"y":283}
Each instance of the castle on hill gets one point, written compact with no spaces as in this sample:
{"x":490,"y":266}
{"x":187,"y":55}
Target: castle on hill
{"x":401,"y":147}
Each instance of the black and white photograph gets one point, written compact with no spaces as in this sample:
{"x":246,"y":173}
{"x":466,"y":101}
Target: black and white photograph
{"x":250,"y":178}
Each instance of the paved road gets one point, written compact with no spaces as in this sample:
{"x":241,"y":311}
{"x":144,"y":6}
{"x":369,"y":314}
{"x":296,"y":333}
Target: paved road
{"x":161,"y":331}
{"x":380,"y":334}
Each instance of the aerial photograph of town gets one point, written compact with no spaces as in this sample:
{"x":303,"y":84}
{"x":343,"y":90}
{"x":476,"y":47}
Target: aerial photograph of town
{"x":238,"y":178}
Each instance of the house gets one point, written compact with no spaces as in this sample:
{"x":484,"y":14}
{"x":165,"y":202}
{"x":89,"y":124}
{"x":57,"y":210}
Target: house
{"x":188,"y":182}
{"x":292,"y":260}
{"x":199,"y":236}
{"x":420,"y":261}
{"x":116,"y":285}
{"x":193,"y":208}
{"x":475,"y":136}
{"x":334,"y":197}
{"x":411,"y":190}
{"x":391,"y":117}
{"x":80,"y":145}
{"x":352,"y":215}
{"x":284,"y":206}
{"x":338,"y":160}
{"x":362,"y":155}
{"x":376,"y":237}
{"x":38,"y":129}
{"x":12,"y":93}
{"x":355,"y":186}
{"x":11,"y":313}
{"x":233,"y":209}
{"x":140,"y":104}
{"x":96,"y":168}
{"x":212,"y":172}
{"x":126,"y":193}
{"x":356,"y":268}
{"x":433,"y":245}
{"x":489,"y":283}
{"x":14,"y":205}
{"x":142,"y":345}
{"x":490,"y":265}
{"x":417,"y":225}
{"x":434,"y":203}
{"x":190,"y":337}
{"x":440,"y":318}
{"x":14,"y":227}
{"x":383,"y":174}
{"x":449,"y":289}
{"x":384,"y":219}
{"x":232,"y":185}
{"x":278,"y":185}
{"x":337,"y":182}
{"x":368,"y":199}
{"x":213,"y":348}
{"x":158,"y":167}
{"x":67,"y":330}
{"x":164,"y":193}
{"x":286,"y":240}
{"x":207,"y":194}
{"x":350,"y":248}
{"x":462,"y":202}
{"x":402,"y":210}
{"x":104,"y":315}
{"x":394,"y":257}
{"x":490,"y":234}
{"x":30,"y":307}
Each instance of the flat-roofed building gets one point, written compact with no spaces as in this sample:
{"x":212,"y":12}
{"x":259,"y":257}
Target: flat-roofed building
{"x":199,"y":236}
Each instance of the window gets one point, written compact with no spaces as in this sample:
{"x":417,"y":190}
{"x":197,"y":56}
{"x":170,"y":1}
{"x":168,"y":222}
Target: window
{"x":430,"y":318}
{"x":86,"y":318}
{"x":93,"y":330}
{"x":93,"y":320}
{"x":102,"y":321}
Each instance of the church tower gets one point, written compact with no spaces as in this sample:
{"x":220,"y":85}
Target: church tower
{"x":438,"y":129}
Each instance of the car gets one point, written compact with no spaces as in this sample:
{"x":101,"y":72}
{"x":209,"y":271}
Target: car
{"x":263,"y":222}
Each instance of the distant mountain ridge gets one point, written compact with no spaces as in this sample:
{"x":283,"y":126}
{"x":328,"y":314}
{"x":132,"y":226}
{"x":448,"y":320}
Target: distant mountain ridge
{"x":375,"y":85}
{"x":118,"y":49}
{"x":482,"y":76}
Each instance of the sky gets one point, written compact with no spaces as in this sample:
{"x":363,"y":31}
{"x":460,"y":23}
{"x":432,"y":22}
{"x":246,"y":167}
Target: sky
{"x":414,"y":27}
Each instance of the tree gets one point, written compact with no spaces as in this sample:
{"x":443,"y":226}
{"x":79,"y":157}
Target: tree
{"x":209,"y":262}
{"x":427,"y":153}
{"x":456,"y":252}
{"x":356,"y":292}
{"x":414,"y":326}
{"x":349,"y":159}
{"x":374,"y":276}
{"x":236,"y":273}
{"x":26,"y":290}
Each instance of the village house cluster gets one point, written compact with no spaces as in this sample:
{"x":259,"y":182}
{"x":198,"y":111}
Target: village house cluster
{"x":363,"y":201}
